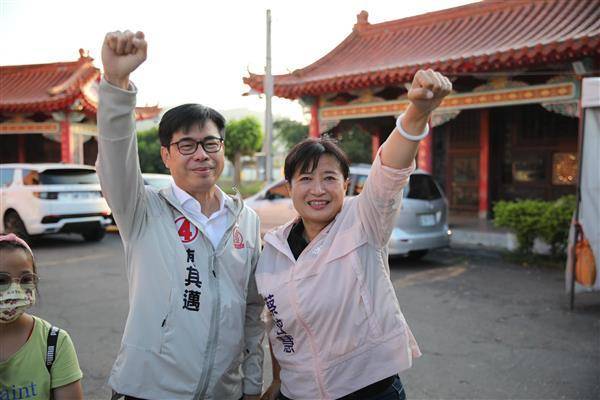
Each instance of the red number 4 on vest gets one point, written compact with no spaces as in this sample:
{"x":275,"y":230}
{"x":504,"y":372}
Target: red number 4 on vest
{"x":187,"y":231}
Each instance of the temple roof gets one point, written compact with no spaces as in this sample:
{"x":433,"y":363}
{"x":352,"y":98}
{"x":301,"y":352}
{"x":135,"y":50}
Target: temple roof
{"x":55,"y":87}
{"x":492,"y":35}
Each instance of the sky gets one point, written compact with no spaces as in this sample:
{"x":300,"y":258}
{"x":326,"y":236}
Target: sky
{"x":198,"y":51}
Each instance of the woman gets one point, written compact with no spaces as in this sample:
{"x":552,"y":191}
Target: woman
{"x":337,"y":330}
{"x":29,"y":368}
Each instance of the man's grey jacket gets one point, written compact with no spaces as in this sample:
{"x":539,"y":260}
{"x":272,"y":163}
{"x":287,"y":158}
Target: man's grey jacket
{"x":194,"y":328}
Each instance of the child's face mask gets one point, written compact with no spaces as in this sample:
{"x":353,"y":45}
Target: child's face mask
{"x":15,"y":301}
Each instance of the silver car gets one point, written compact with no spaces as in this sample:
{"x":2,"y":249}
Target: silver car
{"x":421,"y":225}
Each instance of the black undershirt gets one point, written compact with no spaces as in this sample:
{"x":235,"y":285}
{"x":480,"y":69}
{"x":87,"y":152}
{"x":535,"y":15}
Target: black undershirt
{"x":296,"y":240}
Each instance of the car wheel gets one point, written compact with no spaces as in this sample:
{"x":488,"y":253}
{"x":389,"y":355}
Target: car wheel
{"x":94,"y":235}
{"x":417,"y":254}
{"x":14,"y":224}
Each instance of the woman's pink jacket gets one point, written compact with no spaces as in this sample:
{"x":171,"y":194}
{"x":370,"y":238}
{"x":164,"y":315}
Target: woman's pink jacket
{"x":336,"y":322}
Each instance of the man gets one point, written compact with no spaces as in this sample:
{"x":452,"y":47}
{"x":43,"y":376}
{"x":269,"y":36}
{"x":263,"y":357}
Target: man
{"x":191,"y":250}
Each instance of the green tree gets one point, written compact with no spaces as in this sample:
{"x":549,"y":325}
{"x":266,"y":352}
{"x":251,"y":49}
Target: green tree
{"x":289,"y":132}
{"x":356,"y":142}
{"x":242,"y":137}
{"x":149,"y":152}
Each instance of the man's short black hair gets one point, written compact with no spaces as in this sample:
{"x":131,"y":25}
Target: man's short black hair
{"x":185,"y":117}
{"x":304,"y":157}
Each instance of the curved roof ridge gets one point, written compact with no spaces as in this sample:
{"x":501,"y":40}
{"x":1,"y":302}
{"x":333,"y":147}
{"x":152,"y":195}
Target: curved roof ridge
{"x":83,"y":74}
{"x":467,"y":10}
{"x":44,"y":66}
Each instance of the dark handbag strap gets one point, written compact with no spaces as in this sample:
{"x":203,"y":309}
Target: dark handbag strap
{"x":51,"y":347}
{"x":578,"y":232}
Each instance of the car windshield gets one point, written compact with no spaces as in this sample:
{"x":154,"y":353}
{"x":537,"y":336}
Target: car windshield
{"x":68,"y":177}
{"x":422,"y":187}
{"x":278,"y":191}
{"x":159,"y":183}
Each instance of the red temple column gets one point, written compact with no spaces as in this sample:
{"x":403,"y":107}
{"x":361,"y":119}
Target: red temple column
{"x":484,"y":163}
{"x":66,"y":141}
{"x":313,"y":130}
{"x":375,"y":143}
{"x":425,"y":155}
{"x":21,"y":153}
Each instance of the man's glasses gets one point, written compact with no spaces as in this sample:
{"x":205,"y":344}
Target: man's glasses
{"x":189,"y":146}
{"x":27,"y":281}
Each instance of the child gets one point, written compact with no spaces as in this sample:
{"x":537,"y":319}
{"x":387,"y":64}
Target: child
{"x":25,"y":343}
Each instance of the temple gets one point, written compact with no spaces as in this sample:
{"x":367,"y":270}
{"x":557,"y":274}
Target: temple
{"x":48,"y":112}
{"x":510,"y":128}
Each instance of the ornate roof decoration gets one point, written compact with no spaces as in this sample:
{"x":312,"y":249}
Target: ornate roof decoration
{"x":61,"y":86}
{"x":488,"y":36}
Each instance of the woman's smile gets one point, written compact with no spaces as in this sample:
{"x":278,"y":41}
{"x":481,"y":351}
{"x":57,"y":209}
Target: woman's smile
{"x":317,"y":204}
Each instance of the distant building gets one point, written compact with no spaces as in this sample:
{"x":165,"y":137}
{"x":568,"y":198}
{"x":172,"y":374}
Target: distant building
{"x":48,"y":112}
{"x":508,"y":131}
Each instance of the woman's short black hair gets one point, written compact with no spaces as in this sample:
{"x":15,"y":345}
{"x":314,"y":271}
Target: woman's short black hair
{"x":185,"y":117}
{"x":9,"y":245}
{"x":304,"y":157}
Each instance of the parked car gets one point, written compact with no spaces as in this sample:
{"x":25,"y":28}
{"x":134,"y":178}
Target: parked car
{"x":39,"y":199}
{"x":158,"y":181}
{"x":273,"y":206}
{"x":420,"y":226}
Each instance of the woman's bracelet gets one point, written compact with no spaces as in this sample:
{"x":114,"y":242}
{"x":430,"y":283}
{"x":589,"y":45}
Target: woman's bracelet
{"x":407,"y":135}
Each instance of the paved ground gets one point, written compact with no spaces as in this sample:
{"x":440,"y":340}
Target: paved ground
{"x":487,"y":329}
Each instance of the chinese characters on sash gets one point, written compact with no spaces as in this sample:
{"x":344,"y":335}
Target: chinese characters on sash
{"x":286,"y":339}
{"x":191,"y":295}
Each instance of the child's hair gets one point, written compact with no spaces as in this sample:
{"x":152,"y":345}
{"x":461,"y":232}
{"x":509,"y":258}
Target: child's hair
{"x":13,"y":242}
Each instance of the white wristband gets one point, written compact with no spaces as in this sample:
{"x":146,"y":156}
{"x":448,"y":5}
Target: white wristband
{"x":407,"y":135}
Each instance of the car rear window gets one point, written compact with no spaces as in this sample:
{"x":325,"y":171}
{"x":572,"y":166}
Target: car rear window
{"x":359,"y":184}
{"x":67,"y":177}
{"x":6,"y":176}
{"x":422,"y":187}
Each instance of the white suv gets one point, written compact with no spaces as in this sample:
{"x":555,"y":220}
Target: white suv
{"x":37,"y":199}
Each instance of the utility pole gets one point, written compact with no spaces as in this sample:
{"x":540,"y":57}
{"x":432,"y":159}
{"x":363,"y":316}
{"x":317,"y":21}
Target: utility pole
{"x":268,"y":88}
